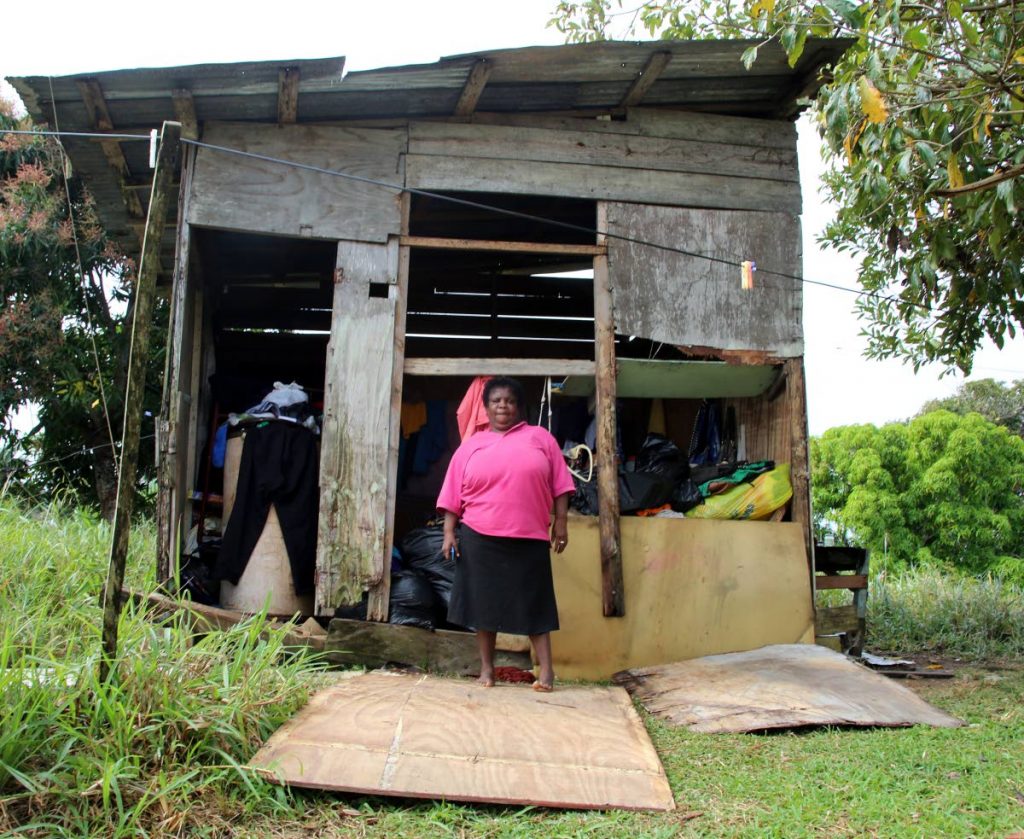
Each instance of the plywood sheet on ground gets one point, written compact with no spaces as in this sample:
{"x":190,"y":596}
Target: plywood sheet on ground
{"x":779,"y":686}
{"x":427,"y":737}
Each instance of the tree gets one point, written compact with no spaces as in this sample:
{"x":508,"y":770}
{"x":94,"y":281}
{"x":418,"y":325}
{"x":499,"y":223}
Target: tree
{"x":923,"y":128}
{"x":998,"y":403}
{"x":940,"y":489}
{"x":65,"y":323}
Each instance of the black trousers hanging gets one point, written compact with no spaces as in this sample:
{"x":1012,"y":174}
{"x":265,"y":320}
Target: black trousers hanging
{"x":279,"y":466}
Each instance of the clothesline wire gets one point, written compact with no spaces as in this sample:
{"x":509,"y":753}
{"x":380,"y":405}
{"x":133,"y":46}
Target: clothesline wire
{"x":75,"y":453}
{"x":490,"y":208}
{"x":464,"y":202}
{"x":81,"y":284}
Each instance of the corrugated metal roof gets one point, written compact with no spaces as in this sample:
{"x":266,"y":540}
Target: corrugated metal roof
{"x":580,"y":78}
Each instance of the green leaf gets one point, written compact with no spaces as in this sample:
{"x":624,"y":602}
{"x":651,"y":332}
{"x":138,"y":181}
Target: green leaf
{"x":749,"y":56}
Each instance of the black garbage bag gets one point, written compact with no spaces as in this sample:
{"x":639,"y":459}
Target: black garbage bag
{"x":660,"y":456}
{"x":421,"y":551}
{"x":412,"y":600}
{"x":637,"y":491}
{"x":643,"y":490}
{"x":686,"y":496}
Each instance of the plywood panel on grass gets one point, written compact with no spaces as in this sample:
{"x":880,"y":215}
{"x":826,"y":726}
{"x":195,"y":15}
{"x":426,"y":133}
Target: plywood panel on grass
{"x":692,"y":588}
{"x":691,"y":301}
{"x":244,"y":193}
{"x":426,"y":737}
{"x":779,"y":686}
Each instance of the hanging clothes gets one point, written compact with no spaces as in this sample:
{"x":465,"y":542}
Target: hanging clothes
{"x":414,"y":417}
{"x":471,"y":414}
{"x":279,"y":466}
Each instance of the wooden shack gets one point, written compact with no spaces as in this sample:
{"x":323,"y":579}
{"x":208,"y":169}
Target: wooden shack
{"x":574,"y":213}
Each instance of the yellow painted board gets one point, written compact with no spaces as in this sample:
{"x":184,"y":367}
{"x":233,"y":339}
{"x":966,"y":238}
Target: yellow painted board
{"x":692,"y":588}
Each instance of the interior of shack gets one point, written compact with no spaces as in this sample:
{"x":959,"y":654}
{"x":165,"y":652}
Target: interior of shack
{"x":266,"y":316}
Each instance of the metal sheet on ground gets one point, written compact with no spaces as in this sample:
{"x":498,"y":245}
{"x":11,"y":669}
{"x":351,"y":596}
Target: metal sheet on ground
{"x":779,"y":686}
{"x":426,"y":737}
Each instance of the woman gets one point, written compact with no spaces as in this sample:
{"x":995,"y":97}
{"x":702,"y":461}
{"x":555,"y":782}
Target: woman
{"x":503,"y":483}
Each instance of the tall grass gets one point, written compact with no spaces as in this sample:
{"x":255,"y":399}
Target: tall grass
{"x":936,"y":611}
{"x":151,"y":749}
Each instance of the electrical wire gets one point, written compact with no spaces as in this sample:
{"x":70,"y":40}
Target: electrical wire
{"x":565,"y":225}
{"x":91,"y":135}
{"x":500,"y":210}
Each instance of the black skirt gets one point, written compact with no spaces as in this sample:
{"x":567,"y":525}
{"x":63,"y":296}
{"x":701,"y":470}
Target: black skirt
{"x":503,"y":585}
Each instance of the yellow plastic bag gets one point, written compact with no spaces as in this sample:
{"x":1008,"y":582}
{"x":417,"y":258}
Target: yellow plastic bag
{"x":756,"y":500}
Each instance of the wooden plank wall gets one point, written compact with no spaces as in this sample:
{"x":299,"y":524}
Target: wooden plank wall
{"x":352,"y":532}
{"x":698,"y":160}
{"x":690,"y":301}
{"x":776,"y":429}
{"x":239,"y":193}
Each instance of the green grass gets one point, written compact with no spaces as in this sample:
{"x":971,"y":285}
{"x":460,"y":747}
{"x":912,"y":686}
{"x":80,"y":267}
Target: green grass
{"x":160,"y":750}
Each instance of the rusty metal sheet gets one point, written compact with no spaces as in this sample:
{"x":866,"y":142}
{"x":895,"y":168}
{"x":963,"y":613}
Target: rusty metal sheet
{"x":779,"y":686}
{"x":426,"y":737}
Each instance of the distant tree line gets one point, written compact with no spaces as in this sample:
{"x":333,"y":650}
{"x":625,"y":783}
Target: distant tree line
{"x":945,"y":488}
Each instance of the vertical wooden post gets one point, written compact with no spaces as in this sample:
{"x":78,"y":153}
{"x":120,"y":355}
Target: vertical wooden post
{"x":145,"y":294}
{"x":377,"y":606}
{"x":800,"y":467}
{"x":170,"y":488}
{"x":613,"y":601}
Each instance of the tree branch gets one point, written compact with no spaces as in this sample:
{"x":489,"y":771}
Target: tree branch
{"x":984,"y":183}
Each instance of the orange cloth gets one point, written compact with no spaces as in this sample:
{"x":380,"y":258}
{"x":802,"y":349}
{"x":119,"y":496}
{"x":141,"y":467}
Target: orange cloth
{"x":414,"y":417}
{"x":471,"y":414}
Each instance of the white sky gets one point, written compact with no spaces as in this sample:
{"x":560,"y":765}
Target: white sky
{"x":78,"y":37}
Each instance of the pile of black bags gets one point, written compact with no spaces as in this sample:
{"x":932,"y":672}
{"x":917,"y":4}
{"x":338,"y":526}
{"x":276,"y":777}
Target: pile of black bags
{"x":422,"y":590}
{"x":661,"y":476}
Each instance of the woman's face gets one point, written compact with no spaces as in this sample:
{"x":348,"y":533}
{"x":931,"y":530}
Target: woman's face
{"x":502,"y":409}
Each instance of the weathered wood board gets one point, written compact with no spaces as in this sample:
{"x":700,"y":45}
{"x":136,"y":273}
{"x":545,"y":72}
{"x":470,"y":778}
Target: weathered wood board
{"x":243,"y":193}
{"x":375,"y":644}
{"x":779,"y":686}
{"x":692,"y":588}
{"x":609,"y":183}
{"x":594,"y":148}
{"x":694,"y":302}
{"x":425,"y":737}
{"x":351,"y":535}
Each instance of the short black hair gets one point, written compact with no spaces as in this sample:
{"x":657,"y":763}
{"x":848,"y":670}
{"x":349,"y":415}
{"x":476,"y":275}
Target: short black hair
{"x":512,"y":384}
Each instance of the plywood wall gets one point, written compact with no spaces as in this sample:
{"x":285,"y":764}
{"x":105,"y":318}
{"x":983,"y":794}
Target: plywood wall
{"x":692,"y":588}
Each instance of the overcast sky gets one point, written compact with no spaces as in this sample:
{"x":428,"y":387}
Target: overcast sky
{"x":79,"y":37}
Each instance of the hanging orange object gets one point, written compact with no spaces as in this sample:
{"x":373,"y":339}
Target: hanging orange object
{"x":747,"y":269}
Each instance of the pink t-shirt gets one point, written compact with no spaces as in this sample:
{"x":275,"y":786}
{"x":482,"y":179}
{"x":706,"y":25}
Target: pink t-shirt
{"x":504,"y":484}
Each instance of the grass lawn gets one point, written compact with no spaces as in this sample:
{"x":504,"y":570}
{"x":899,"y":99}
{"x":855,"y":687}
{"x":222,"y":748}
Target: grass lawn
{"x":160,"y":751}
{"x":884,"y":782}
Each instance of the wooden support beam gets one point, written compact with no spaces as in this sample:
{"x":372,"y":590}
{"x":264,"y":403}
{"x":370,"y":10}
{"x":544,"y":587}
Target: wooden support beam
{"x":287,"y":95}
{"x":648,"y":76}
{"x":439,"y":243}
{"x":379,"y":595}
{"x":847,"y":581}
{"x":613,"y":601}
{"x":800,"y":466}
{"x":473,"y":89}
{"x":142,"y":316}
{"x":499,"y":367}
{"x":185,"y":112}
{"x":99,"y":120}
{"x":373,"y":644}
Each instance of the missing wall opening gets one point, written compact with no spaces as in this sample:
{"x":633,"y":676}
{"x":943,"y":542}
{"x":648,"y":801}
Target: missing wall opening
{"x":380,"y":290}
